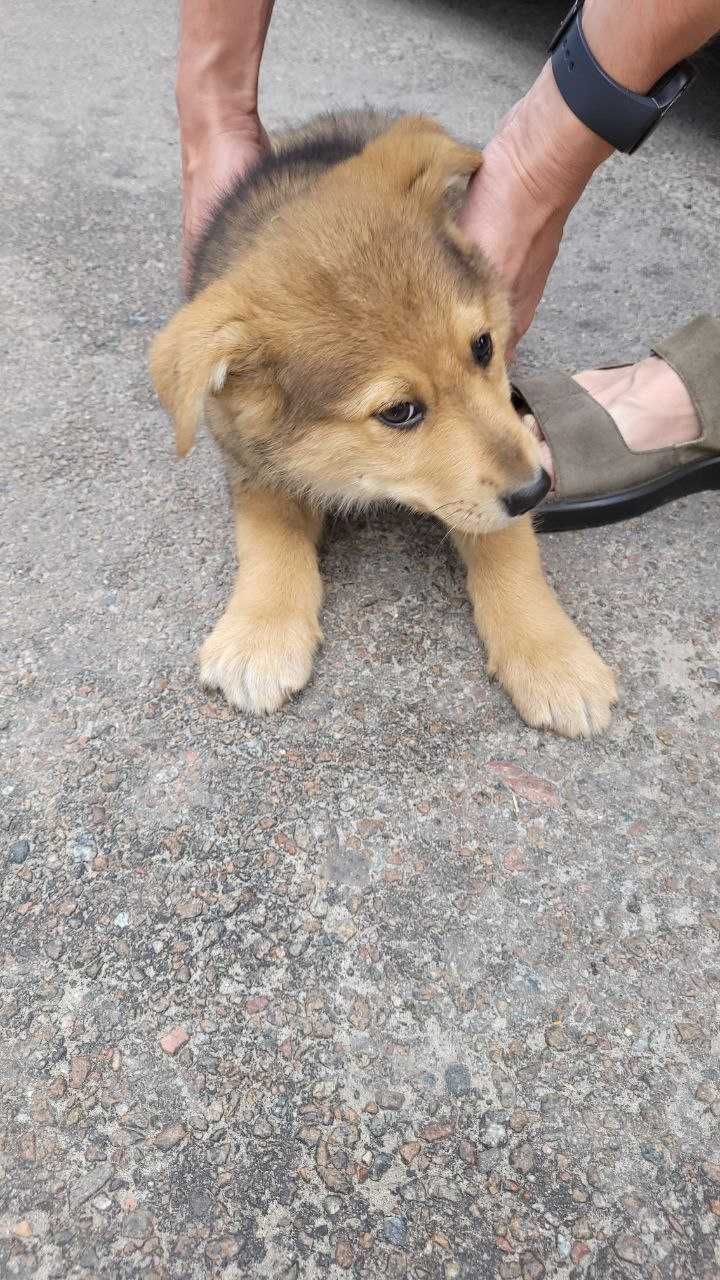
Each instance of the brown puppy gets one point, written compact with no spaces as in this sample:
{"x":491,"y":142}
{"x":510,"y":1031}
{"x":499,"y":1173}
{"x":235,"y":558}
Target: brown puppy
{"x":345,"y":346}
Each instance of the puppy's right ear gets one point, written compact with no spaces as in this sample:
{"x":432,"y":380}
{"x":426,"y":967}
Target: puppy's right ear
{"x":192,"y":356}
{"x":417,"y":157}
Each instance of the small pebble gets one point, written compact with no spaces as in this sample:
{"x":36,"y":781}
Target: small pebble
{"x":190,"y":908}
{"x":79,"y":1070}
{"x":390,"y":1100}
{"x":494,"y":1135}
{"x":555,"y":1038}
{"x":689,"y":1033}
{"x":433,"y":1132}
{"x":597,"y":1176}
{"x":519,"y":1120}
{"x":169,"y":1137}
{"x":408,"y":1151}
{"x":395,"y":1231}
{"x":522,"y":1158}
{"x":344,"y":1256}
{"x":457,"y":1079}
{"x":323,"y":1089}
{"x":531,"y":1268}
{"x":173,"y":1041}
{"x":19,"y":851}
{"x":631,"y":1249}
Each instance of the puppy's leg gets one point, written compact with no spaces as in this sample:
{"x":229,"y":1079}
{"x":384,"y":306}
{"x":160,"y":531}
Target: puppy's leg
{"x":262,"y":649}
{"x":551,"y":672}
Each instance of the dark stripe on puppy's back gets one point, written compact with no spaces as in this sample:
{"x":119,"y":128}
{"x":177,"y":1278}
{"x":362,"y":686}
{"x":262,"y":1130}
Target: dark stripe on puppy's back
{"x":298,"y":158}
{"x":326,"y":152}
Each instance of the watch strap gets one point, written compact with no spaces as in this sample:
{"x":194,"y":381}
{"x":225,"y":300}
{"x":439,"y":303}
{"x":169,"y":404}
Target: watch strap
{"x":623,"y":118}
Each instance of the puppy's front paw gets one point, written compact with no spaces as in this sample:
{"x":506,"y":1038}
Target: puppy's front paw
{"x":560,"y":684}
{"x":259,"y":660}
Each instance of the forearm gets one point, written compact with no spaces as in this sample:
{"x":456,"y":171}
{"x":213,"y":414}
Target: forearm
{"x":542,"y":157}
{"x":221,"y":45}
{"x":635,"y":41}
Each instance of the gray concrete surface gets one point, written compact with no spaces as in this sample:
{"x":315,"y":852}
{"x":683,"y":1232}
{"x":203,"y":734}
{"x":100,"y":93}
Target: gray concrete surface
{"x":389,"y":985}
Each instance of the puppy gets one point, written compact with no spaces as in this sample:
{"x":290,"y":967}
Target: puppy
{"x":345,"y":346}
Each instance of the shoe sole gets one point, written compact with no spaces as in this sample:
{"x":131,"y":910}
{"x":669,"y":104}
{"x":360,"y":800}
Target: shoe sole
{"x":589,"y":513}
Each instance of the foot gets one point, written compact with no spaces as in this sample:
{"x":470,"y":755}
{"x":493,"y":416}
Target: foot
{"x":559,"y":684}
{"x":549,"y":669}
{"x":648,"y":403}
{"x":259,"y":660}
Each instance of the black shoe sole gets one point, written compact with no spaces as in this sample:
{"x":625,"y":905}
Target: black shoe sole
{"x":589,"y":513}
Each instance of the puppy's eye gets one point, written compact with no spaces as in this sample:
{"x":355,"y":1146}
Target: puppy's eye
{"x":404,"y":415}
{"x":482,"y":349}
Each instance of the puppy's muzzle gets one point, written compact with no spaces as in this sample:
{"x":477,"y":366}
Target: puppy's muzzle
{"x":522,"y":500}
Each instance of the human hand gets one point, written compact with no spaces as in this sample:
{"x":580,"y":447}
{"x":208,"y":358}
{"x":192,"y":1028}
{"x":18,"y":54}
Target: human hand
{"x":212,"y":164}
{"x":534,"y":170}
{"x":517,"y":231}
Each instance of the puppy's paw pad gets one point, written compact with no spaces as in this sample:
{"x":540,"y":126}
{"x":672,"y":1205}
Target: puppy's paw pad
{"x":258,"y":663}
{"x":567,"y":688}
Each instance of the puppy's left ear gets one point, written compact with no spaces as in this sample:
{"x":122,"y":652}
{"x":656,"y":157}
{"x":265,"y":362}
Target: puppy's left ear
{"x":417,"y":157}
{"x":192,"y":356}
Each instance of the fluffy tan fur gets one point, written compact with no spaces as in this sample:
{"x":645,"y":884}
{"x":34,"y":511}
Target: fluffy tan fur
{"x":329,"y":293}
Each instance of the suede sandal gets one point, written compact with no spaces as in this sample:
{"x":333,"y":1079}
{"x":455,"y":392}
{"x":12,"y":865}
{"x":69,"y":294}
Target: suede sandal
{"x":598,"y":479}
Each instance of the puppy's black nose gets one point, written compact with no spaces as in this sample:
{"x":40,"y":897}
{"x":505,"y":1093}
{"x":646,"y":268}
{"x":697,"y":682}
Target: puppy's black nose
{"x":522,"y":500}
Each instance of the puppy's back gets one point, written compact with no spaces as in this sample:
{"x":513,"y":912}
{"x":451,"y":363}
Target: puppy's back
{"x":297,"y":160}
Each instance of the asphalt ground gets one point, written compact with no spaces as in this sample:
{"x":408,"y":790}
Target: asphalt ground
{"x":389,"y":984}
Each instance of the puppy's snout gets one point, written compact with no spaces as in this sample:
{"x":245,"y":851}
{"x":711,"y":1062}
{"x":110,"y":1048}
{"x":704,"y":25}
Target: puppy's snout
{"x":522,"y":500}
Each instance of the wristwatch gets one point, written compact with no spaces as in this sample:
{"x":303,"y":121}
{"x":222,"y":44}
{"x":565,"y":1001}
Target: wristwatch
{"x":623,"y":118}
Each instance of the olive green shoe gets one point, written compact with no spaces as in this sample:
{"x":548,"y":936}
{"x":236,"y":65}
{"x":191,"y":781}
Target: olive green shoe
{"x":598,"y":479}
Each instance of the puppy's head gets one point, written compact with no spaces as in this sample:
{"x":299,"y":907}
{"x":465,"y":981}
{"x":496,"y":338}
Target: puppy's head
{"x":356,"y":353}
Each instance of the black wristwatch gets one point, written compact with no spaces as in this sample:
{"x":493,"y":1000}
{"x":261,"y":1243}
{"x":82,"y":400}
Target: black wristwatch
{"x":623,"y":118}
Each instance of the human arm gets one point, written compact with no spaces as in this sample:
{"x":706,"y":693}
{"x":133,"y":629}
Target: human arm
{"x":221,"y":47}
{"x":539,"y":162}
